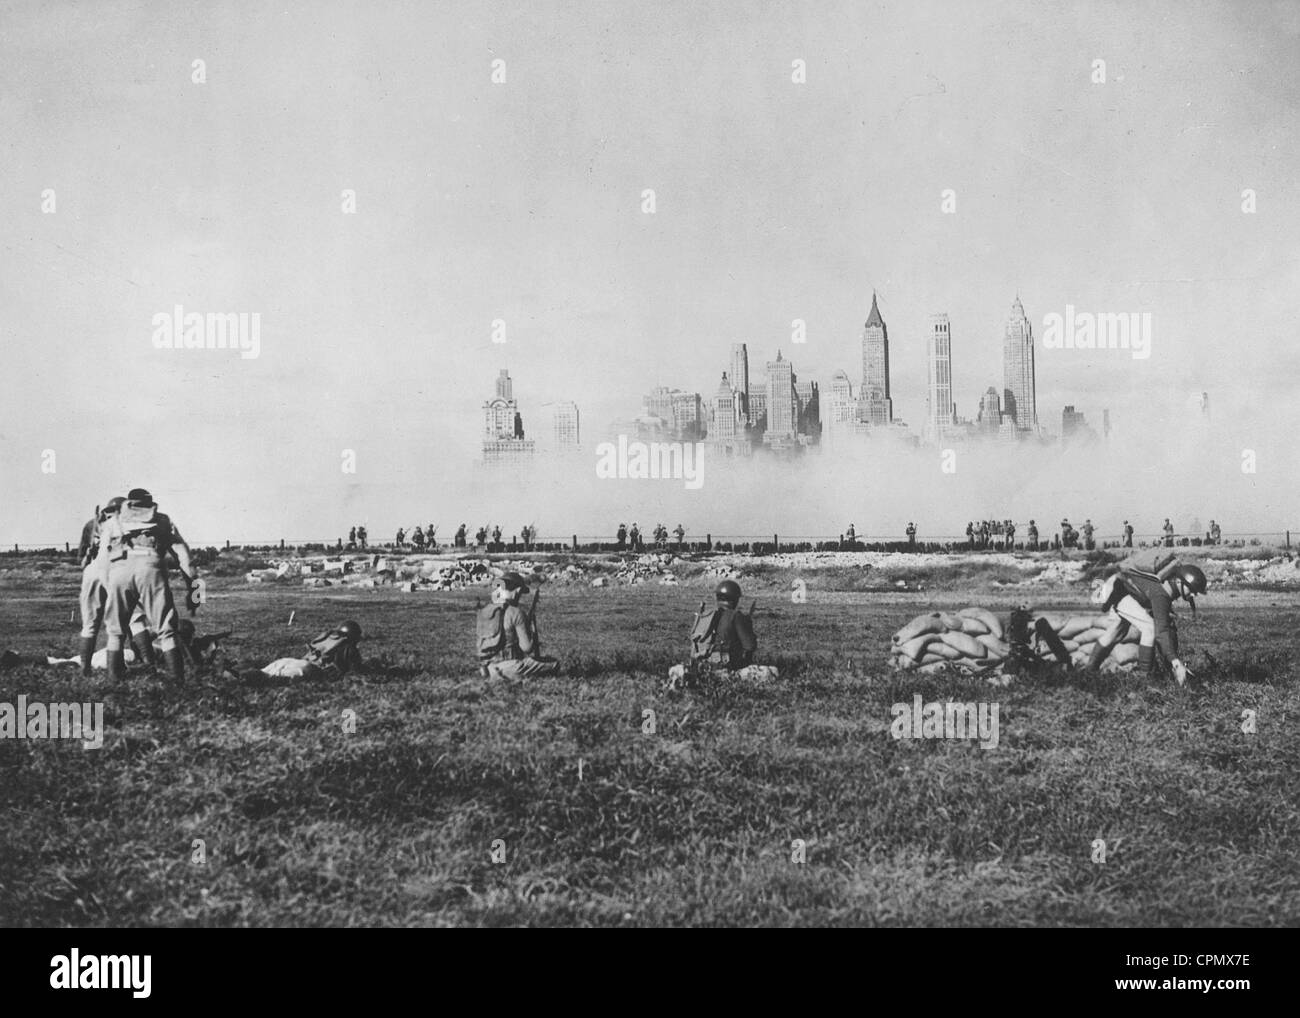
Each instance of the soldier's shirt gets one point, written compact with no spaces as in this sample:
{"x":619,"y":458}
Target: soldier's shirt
{"x":141,"y":531}
{"x":89,"y":538}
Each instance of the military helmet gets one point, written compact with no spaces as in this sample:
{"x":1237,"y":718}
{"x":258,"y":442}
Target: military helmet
{"x":1192,"y":579}
{"x":351,"y":629}
{"x":729,"y":592}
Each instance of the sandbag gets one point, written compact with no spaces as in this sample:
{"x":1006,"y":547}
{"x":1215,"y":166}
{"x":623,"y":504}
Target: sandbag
{"x":919,"y":626}
{"x":940,"y":648}
{"x":990,"y":620}
{"x":974,"y":627}
{"x":914,"y":647}
{"x":965,"y":644}
{"x":997,"y":647}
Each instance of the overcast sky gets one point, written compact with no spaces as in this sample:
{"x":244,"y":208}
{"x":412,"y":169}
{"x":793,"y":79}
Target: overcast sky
{"x":522,"y":201}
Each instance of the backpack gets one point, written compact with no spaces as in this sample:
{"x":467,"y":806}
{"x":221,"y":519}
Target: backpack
{"x":703,"y":635}
{"x":331,"y":651}
{"x":490,"y":630}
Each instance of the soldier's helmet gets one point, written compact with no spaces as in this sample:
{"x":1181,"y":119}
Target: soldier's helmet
{"x":728,"y":592}
{"x":351,"y":629}
{"x":1192,"y":579}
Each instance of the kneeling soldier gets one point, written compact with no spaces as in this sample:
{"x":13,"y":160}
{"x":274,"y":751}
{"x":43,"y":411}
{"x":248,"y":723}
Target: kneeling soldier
{"x":508,"y":645}
{"x":722,"y":640}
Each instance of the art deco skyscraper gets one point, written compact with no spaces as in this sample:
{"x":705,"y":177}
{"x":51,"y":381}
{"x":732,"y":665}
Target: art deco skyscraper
{"x":938,"y":393}
{"x":782,"y":404}
{"x":875,"y":403}
{"x":740,"y":373}
{"x":1019,"y":396}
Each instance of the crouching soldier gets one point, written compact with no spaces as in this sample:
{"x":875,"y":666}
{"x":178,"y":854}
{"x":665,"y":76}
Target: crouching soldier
{"x":722,"y":641}
{"x":331,"y":655}
{"x":508,"y":644}
{"x":1144,"y":600}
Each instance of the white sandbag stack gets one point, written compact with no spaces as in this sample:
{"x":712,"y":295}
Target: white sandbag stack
{"x":1080,"y":633}
{"x":972,"y":638}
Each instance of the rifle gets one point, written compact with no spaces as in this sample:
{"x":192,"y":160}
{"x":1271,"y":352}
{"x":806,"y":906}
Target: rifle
{"x":532,"y":622}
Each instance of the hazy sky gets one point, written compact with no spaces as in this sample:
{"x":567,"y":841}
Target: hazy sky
{"x":522,"y":201}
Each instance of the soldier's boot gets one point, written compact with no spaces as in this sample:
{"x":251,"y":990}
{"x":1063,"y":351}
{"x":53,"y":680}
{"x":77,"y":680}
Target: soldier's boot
{"x":116,"y":665}
{"x":87,"y":650}
{"x":1146,"y":656}
{"x":144,"y":651}
{"x":1099,"y":654}
{"x":175,"y":661}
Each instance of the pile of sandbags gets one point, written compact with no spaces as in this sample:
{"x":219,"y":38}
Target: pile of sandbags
{"x":973,"y":639}
{"x":1080,"y":633}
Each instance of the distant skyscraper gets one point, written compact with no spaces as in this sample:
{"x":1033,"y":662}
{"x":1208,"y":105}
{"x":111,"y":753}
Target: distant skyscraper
{"x":939,"y":409}
{"x":1073,"y":424}
{"x":503,"y":426}
{"x":808,"y":397}
{"x":876,"y":405}
{"x":782,"y":405}
{"x":727,"y":421}
{"x":990,"y":415}
{"x":564,"y":426}
{"x":1019,"y":393}
{"x":740,"y":370}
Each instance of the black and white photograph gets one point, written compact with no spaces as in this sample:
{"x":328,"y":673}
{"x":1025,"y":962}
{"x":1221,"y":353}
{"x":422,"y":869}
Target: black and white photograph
{"x":691,"y":464}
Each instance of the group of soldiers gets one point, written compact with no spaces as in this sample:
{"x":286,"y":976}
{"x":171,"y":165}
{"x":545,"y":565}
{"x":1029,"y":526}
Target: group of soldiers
{"x":419,"y":538}
{"x":631,"y":540}
{"x":357,"y":537}
{"x":1002,"y":534}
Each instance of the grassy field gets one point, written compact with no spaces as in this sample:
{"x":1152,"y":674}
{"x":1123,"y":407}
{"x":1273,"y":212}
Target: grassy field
{"x":604,"y":823}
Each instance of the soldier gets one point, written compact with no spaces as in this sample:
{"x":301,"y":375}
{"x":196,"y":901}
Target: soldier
{"x":1087,"y":536}
{"x":984,"y":534}
{"x":361,"y":536}
{"x":401,"y":536}
{"x":526,"y":532}
{"x":431,"y":537}
{"x":94,"y":593}
{"x":680,"y":532}
{"x":970,"y":534}
{"x":1169,"y":533}
{"x":460,"y":536}
{"x":621,"y":537}
{"x":1032,"y":535}
{"x":139,"y":540}
{"x":911,"y":535}
{"x":850,"y":535}
{"x":1128,"y":535}
{"x":1011,"y":535}
{"x":480,"y":536}
{"x":496,"y":536}
{"x":332,"y":654}
{"x":636,"y":537}
{"x":417,"y":538}
{"x":1216,"y":535}
{"x":722,"y":641}
{"x":352,"y":537}
{"x":508,"y":644}
{"x":1144,"y":600}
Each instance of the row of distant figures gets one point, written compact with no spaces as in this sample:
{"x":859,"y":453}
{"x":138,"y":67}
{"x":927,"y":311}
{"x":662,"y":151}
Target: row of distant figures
{"x":724,"y":543}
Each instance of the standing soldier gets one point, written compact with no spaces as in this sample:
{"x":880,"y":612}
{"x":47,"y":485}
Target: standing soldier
{"x":1128,"y":535}
{"x":1087,"y":535}
{"x":361,"y":536}
{"x":636,"y":537}
{"x":622,"y":536}
{"x":526,"y":532}
{"x":417,"y":538}
{"x":401,"y":536}
{"x":911,"y":535}
{"x":850,"y":535}
{"x":1216,"y":534}
{"x":352,"y":537}
{"x":1011,"y":535}
{"x":1032,"y":535}
{"x":460,"y":536}
{"x":139,"y":539}
{"x":496,"y":535}
{"x":680,"y":532}
{"x":1169,"y":533}
{"x":480,"y":536}
{"x":985,"y":530}
{"x":970,"y":534}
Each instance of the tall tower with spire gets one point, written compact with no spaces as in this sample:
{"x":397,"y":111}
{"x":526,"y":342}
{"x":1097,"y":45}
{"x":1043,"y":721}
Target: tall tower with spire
{"x":1019,"y":395}
{"x":875,"y":406}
